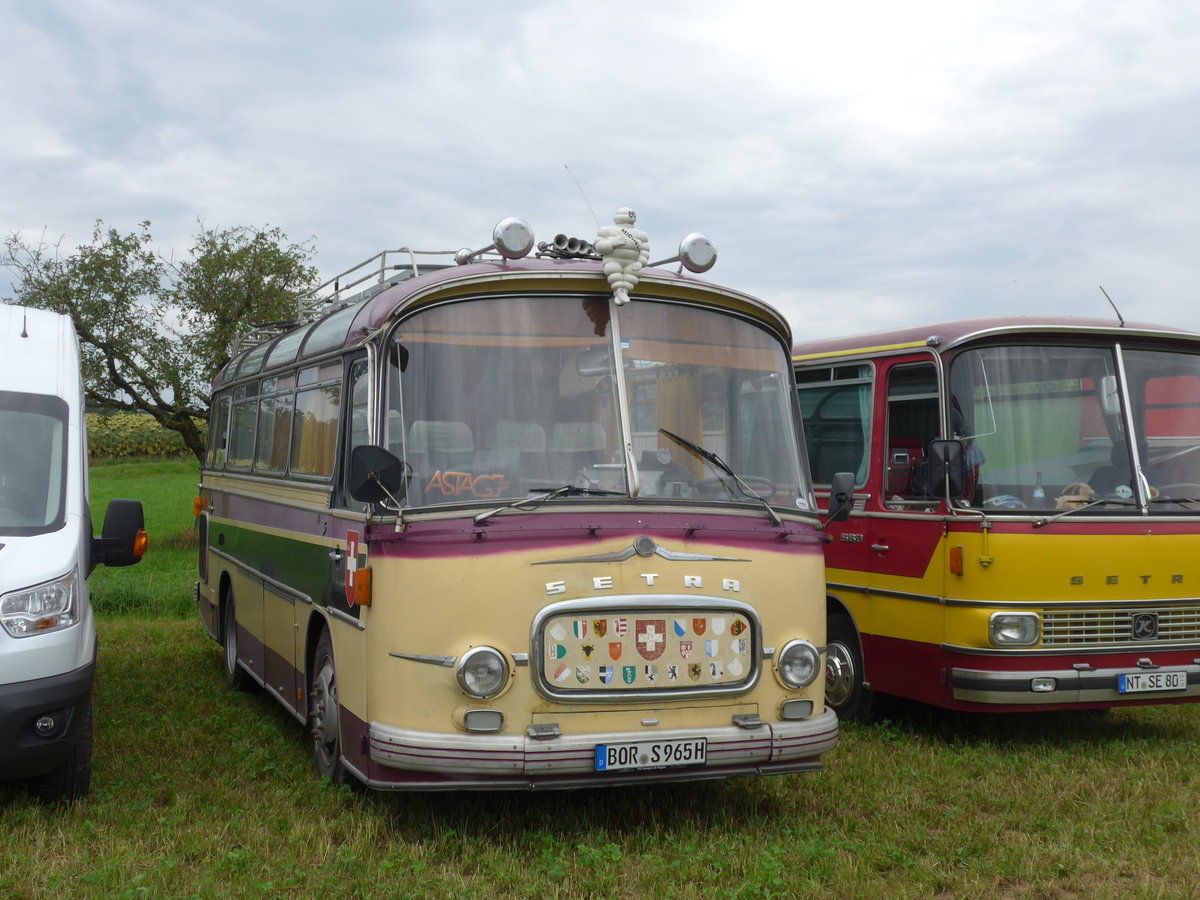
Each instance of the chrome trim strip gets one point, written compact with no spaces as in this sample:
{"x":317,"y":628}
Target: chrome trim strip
{"x":1074,"y":686}
{"x":1077,"y":650}
{"x":631,"y":551}
{"x":446,"y":661}
{"x":520,"y":755}
{"x":285,"y":591}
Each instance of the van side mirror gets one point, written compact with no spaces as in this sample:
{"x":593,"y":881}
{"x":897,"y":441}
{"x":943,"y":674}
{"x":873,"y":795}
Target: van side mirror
{"x":947,"y":471}
{"x":377,"y":474}
{"x":841,"y":497}
{"x":123,"y":539}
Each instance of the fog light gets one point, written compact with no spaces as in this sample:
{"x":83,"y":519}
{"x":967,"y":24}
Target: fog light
{"x":45,"y":725}
{"x":796,"y":709}
{"x":483,"y":719}
{"x":1043,"y":685}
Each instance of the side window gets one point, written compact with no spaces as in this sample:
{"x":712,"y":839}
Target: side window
{"x":241,"y":437}
{"x":836,"y":405}
{"x":314,"y":437}
{"x":274,"y":424}
{"x":912,"y":422}
{"x":357,"y":432}
{"x":218,"y":433}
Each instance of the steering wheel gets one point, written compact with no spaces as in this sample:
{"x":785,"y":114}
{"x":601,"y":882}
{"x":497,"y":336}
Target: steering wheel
{"x":1187,"y":489}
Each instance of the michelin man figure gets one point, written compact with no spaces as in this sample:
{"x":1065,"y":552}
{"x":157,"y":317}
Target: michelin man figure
{"x":625,"y":250}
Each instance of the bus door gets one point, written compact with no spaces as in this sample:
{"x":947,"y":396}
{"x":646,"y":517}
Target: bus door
{"x":902,"y":525}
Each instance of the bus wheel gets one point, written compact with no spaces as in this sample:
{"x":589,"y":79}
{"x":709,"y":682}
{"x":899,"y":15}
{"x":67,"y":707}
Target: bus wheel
{"x":844,"y":688}
{"x":73,"y":777}
{"x":323,"y":712}
{"x":235,"y":675}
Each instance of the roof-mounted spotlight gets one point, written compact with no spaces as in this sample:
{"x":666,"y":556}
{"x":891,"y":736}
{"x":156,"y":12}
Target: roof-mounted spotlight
{"x":512,"y":238}
{"x":696,"y":254}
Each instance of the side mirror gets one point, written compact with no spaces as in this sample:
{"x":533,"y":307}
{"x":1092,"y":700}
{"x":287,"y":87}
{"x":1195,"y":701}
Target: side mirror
{"x":594,"y":362}
{"x":376,"y":475}
{"x":947,"y":471}
{"x":841,"y":497}
{"x":123,"y":540}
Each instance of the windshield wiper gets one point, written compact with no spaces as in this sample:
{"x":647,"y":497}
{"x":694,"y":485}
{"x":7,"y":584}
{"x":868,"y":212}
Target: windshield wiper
{"x":567,"y":490}
{"x":711,"y":457}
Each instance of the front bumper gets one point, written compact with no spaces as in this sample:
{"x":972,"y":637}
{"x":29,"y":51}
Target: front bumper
{"x":427,"y":760}
{"x":1075,"y":686}
{"x":23,"y":752}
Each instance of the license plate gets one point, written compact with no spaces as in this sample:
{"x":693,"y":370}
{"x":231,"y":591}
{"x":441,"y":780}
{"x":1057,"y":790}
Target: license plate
{"x":651,"y":754}
{"x":1144,"y":682}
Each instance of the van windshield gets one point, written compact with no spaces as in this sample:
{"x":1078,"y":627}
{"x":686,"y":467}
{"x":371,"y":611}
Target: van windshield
{"x":33,"y":472}
{"x":501,"y":398}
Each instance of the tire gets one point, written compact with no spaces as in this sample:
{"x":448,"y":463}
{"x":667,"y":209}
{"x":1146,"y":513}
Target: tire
{"x":845,"y":690}
{"x":235,"y":676}
{"x":73,"y":778}
{"x":323,"y":712}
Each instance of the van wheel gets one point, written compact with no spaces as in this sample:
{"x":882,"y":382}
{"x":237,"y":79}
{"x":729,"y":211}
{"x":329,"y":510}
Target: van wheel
{"x":845,"y":691}
{"x":323,"y":712}
{"x":73,"y":778}
{"x":235,"y":675}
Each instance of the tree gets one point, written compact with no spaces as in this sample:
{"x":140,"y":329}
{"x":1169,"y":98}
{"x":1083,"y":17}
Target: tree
{"x":153,"y":333}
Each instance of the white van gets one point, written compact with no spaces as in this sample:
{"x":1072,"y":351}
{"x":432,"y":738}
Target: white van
{"x":47,"y":551}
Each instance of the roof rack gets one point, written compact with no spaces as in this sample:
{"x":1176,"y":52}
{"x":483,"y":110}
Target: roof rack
{"x":377,"y":273}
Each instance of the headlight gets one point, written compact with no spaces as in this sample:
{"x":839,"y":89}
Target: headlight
{"x":482,"y":672}
{"x":797,"y":664}
{"x":1014,"y":629}
{"x":45,"y":607}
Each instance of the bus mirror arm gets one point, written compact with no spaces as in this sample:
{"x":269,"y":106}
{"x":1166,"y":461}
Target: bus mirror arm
{"x":377,"y":474}
{"x":841,"y":499}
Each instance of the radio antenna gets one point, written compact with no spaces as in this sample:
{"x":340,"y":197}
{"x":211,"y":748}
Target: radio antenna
{"x":1120,"y":318}
{"x":583,"y":195}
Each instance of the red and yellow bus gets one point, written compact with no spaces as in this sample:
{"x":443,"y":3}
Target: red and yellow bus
{"x":1024,"y":512}
{"x":482,"y":524}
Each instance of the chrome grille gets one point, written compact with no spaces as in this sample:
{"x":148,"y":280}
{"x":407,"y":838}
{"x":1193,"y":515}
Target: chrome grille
{"x":1114,"y":625}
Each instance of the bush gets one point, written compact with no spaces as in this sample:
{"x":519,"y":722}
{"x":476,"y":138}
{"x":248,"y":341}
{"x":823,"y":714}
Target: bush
{"x":125,"y":435}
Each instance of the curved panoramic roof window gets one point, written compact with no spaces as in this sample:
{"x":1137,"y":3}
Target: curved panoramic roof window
{"x":286,"y":347}
{"x":330,"y":333}
{"x":253,"y":359}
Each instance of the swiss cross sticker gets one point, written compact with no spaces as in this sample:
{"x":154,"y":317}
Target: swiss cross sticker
{"x":351,"y":565}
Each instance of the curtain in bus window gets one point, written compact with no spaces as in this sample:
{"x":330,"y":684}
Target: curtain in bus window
{"x":314,"y":436}
{"x":274,"y":430}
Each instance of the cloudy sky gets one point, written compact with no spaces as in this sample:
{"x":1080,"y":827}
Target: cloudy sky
{"x":858,"y":164}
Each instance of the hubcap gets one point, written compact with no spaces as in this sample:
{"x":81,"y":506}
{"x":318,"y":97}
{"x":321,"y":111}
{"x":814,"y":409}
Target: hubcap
{"x":324,"y":700}
{"x":839,"y":675}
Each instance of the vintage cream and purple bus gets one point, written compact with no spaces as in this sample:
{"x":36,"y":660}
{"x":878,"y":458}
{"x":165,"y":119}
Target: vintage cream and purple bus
{"x":481,"y":525}
{"x":1025,"y":512}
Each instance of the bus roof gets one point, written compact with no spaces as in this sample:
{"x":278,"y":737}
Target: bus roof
{"x":946,"y":335}
{"x":347,"y":322}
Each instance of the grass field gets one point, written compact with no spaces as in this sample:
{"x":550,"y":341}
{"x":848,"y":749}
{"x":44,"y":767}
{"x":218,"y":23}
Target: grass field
{"x":201,"y":792}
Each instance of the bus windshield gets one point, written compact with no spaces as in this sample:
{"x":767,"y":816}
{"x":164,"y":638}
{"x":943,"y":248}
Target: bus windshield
{"x":1048,"y":427}
{"x":500,"y":398}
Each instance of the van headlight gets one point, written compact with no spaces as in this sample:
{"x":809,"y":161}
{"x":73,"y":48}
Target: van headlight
{"x":1014,"y":629}
{"x":45,"y":607}
{"x":482,"y":672}
{"x":797,"y":665}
